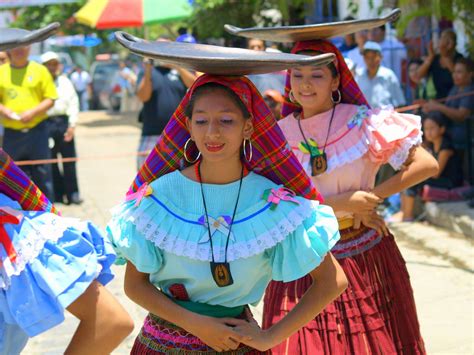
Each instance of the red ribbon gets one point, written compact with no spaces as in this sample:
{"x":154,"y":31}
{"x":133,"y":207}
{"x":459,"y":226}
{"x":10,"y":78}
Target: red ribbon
{"x":4,"y":238}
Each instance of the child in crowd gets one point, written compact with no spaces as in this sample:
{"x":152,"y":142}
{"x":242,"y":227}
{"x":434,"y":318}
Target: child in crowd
{"x":450,"y":168}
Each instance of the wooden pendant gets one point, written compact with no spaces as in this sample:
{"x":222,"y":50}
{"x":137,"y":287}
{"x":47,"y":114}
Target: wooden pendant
{"x":221,"y":274}
{"x":319,"y":164}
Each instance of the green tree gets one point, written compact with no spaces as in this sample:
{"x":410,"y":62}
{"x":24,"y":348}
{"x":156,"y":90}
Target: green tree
{"x":209,"y":16}
{"x":462,"y":10}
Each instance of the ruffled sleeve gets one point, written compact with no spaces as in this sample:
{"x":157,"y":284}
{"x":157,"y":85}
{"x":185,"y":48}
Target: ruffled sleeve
{"x":129,"y":244}
{"x":305,"y":248}
{"x":391,"y":135}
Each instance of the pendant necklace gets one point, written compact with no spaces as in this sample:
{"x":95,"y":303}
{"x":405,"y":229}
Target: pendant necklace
{"x":318,"y":160}
{"x":220,"y":270}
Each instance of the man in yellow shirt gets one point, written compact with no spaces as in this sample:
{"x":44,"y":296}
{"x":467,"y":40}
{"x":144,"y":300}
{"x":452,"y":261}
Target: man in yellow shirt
{"x":27,"y":91}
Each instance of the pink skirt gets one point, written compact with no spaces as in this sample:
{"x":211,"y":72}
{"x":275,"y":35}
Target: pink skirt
{"x":159,"y":336}
{"x":375,"y":315}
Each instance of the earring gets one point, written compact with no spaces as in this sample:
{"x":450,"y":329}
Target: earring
{"x":339,"y":98}
{"x":249,"y":156}
{"x":186,"y":156}
{"x":291,"y":97}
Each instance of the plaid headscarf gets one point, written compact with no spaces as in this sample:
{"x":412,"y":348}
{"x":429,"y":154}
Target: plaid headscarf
{"x":15,"y":184}
{"x":350,"y":91}
{"x":272,"y":156}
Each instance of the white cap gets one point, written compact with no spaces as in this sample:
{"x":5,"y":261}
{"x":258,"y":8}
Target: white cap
{"x":46,"y":57}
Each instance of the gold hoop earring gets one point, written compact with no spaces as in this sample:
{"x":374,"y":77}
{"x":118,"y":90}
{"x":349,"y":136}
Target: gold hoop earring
{"x":339,"y":98}
{"x":249,"y":156}
{"x":186,"y":155}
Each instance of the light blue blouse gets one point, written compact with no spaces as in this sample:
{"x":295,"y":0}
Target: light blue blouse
{"x":165,"y":235}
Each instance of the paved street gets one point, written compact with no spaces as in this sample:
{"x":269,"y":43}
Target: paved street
{"x":441,"y":265}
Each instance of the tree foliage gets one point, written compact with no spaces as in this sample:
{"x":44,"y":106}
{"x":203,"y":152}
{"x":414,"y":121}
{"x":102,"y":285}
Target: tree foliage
{"x":462,"y":10}
{"x":210,"y":16}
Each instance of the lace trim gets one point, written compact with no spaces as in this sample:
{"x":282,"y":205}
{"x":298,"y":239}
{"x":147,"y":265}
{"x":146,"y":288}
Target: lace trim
{"x":401,"y":154}
{"x":31,"y":246}
{"x":238,"y":250}
{"x":349,"y":156}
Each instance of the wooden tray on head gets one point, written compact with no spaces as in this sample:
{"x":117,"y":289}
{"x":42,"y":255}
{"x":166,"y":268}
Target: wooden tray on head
{"x":17,"y":37}
{"x":218,"y":60}
{"x":309,"y":32}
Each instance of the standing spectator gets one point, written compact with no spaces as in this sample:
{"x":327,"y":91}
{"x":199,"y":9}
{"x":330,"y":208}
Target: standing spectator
{"x":440,"y":66}
{"x":355,"y":54}
{"x":457,"y":109}
{"x":26,"y":92}
{"x":274,"y":100}
{"x":62,"y":122}
{"x":127,"y":81}
{"x":3,"y":60}
{"x":82,"y":83}
{"x":349,"y":41}
{"x":270,"y":81}
{"x":378,"y":83}
{"x":393,"y":51}
{"x":419,"y":89}
{"x":161,"y":90}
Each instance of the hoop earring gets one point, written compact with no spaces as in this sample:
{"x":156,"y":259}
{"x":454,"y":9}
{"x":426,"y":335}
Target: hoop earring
{"x":186,"y":156}
{"x":244,"y":149}
{"x":291,"y":97}
{"x":339,"y":98}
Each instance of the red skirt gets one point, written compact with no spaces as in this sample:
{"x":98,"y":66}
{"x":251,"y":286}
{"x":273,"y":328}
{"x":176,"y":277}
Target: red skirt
{"x":375,"y":315}
{"x":159,"y":336}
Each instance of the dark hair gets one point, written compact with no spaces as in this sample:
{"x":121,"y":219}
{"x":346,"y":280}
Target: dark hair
{"x":382,"y":28}
{"x":210,"y":87}
{"x":415,"y":61}
{"x":451,"y":34}
{"x":331,"y":66}
{"x":437,"y":117}
{"x":468,"y":63}
{"x":348,"y":18}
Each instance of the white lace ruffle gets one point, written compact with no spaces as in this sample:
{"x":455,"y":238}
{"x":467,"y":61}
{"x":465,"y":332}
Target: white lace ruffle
{"x":31,"y":245}
{"x":401,"y":154}
{"x":345,"y":157}
{"x":254,"y":245}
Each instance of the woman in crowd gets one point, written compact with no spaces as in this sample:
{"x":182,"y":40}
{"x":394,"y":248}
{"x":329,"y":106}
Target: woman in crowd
{"x":203,"y":242}
{"x":342,"y":143}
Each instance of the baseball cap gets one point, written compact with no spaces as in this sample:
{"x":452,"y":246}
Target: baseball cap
{"x":46,"y":57}
{"x":186,"y":38}
{"x":372,"y":46}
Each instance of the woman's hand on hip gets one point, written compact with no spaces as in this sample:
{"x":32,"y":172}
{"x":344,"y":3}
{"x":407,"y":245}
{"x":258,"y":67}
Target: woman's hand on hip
{"x":373,"y":220}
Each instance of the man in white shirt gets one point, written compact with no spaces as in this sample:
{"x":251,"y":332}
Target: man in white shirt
{"x":62,"y":119}
{"x":82,"y":81}
{"x":355,"y":54}
{"x":378,"y":83}
{"x":393,"y":51}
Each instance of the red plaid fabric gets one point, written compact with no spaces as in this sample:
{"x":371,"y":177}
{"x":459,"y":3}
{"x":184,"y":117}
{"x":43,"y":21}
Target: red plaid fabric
{"x":350,"y":91}
{"x":16,"y":185}
{"x":272,"y":156}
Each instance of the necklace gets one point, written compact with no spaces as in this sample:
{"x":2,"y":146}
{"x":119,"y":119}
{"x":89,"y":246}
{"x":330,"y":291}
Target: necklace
{"x":318,"y":159}
{"x":220,"y":271}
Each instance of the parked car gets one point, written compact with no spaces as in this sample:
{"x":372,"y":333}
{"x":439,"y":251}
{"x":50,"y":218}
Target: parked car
{"x":103,"y":74}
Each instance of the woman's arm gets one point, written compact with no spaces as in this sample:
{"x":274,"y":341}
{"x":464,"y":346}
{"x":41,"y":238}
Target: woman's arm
{"x":456,"y":114}
{"x":329,"y":281}
{"x":361,"y":202}
{"x":215,"y":332}
{"x":423,"y":165}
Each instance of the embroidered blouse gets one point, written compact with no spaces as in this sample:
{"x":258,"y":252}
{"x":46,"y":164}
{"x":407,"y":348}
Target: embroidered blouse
{"x":275,"y":235}
{"x":360,"y":141}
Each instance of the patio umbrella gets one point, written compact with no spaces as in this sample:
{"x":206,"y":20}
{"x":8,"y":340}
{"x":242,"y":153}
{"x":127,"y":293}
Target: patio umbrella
{"x":103,"y":14}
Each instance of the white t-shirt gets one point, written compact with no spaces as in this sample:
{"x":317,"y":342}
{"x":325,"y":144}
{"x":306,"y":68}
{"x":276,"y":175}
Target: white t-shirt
{"x":81,"y":80}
